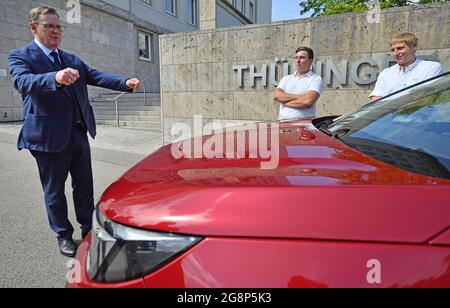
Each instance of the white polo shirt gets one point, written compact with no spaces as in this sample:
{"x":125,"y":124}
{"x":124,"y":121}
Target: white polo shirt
{"x":299,"y":85}
{"x":396,"y":78}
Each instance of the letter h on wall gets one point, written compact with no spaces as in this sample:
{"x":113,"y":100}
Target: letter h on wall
{"x":254,"y":75}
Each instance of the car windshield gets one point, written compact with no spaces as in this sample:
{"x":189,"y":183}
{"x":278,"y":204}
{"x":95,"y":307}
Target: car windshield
{"x":410,"y":130}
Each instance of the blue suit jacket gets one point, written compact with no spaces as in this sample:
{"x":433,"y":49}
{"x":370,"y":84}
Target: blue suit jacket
{"x":48,"y":115}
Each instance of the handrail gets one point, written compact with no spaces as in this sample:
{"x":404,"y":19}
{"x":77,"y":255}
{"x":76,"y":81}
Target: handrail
{"x":116,"y":99}
{"x":148,"y":77}
{"x":143,"y":81}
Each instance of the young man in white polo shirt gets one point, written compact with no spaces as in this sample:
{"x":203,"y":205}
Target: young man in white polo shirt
{"x":408,"y":70}
{"x":298,"y":93}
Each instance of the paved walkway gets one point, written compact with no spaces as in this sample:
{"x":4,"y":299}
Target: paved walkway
{"x":23,"y":220}
{"x":111,"y":138}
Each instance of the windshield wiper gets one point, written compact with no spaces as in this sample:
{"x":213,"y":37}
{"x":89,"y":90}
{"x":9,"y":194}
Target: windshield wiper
{"x":326,"y":131}
{"x":322,"y":124}
{"x":338,"y":134}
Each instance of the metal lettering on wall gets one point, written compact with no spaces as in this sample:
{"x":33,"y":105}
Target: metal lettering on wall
{"x":362,"y":72}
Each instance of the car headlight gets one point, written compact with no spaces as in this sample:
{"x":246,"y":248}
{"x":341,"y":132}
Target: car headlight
{"x":120,"y":253}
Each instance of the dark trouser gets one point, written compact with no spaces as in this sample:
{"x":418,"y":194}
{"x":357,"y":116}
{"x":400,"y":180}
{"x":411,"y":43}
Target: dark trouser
{"x":53,"y":171}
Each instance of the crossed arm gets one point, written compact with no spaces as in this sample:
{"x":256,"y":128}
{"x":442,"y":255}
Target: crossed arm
{"x":374,"y":98}
{"x":296,"y":101}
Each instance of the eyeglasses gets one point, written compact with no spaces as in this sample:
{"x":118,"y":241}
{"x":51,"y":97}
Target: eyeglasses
{"x":52,"y":27}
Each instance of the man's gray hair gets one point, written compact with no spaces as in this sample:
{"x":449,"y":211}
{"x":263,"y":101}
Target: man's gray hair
{"x":34,"y":14}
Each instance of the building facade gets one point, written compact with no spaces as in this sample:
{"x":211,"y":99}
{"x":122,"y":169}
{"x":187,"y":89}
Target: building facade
{"x":228,"y":76}
{"x":118,"y":36}
{"x":242,"y":12}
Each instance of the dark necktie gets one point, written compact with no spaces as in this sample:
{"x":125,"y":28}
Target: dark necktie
{"x":77,"y":111}
{"x":56,"y":62}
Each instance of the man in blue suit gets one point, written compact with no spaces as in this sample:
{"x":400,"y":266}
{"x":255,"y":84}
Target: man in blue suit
{"x":58,"y":115}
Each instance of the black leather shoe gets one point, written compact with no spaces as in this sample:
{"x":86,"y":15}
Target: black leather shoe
{"x":67,"y":248}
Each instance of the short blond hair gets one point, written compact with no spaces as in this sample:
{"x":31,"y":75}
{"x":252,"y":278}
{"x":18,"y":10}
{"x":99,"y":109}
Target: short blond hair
{"x":406,"y":38}
{"x":34,"y":14}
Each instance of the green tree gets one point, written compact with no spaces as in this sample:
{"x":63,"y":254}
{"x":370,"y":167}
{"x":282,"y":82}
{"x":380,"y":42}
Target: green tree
{"x":330,"y":7}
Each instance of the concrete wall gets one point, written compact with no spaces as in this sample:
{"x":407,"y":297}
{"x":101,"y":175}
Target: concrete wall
{"x":10,"y":11}
{"x":104,"y":37}
{"x":197,"y":75}
{"x":208,"y":14}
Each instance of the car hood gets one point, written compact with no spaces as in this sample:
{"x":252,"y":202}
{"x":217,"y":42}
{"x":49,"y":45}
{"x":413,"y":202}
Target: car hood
{"x":321,"y":189}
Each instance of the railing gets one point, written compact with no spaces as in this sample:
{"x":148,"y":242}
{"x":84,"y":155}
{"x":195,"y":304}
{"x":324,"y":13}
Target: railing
{"x":116,"y":99}
{"x":144,"y":82}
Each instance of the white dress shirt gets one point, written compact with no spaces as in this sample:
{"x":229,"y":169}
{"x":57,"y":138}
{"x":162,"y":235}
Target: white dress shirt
{"x":47,"y":50}
{"x":396,"y":78}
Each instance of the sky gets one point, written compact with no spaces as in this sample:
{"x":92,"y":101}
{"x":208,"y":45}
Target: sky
{"x":286,"y":10}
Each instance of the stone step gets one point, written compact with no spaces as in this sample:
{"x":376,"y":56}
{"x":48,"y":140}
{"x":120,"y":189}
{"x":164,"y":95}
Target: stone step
{"x":128,"y":99}
{"x":129,"y":118}
{"x":134,"y":111}
{"x":133,"y":95}
{"x":102,"y":109}
{"x":126,"y":112}
{"x":141,"y":92}
{"x":153,"y":126}
{"x":124,"y":103}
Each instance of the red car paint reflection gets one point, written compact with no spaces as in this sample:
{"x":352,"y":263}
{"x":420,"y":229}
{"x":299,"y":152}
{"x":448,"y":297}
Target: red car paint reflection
{"x":327,"y":216}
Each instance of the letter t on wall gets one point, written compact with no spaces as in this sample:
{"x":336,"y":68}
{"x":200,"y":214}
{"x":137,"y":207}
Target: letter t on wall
{"x":240,"y":73}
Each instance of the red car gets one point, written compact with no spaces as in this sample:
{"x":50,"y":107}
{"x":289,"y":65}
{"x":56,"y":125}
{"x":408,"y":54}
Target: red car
{"x":362,"y":200}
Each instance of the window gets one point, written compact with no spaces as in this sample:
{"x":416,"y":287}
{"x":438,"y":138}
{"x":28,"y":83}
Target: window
{"x":171,"y":7}
{"x":193,"y":12}
{"x":243,"y":7}
{"x":252,"y":11}
{"x":145,"y":46}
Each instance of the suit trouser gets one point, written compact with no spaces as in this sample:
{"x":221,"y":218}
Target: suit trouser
{"x":53,"y":171}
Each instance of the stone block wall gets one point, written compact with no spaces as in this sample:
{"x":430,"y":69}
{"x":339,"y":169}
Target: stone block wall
{"x":200,"y":71}
{"x":207,"y":14}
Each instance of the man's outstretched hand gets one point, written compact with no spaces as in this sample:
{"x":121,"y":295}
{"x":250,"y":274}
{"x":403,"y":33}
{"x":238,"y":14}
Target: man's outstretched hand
{"x":134,"y":84}
{"x":67,"y":76}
